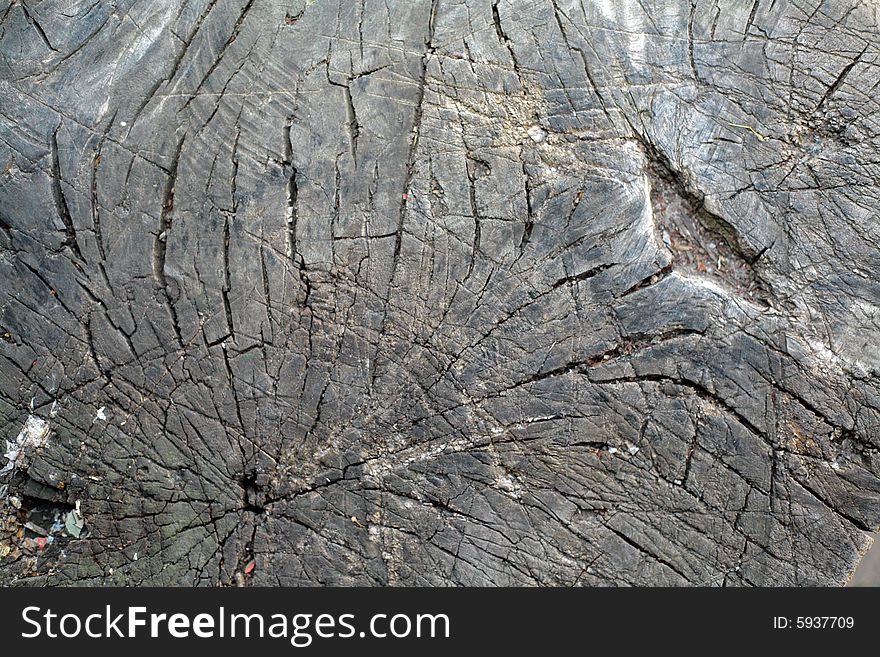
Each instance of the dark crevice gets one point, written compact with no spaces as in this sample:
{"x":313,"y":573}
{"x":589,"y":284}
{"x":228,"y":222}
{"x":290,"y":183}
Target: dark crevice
{"x":413,"y":142}
{"x":474,"y":169}
{"x":264,"y":276}
{"x":227,"y":279}
{"x":178,"y":59}
{"x":496,"y":21}
{"x":690,"y":32}
{"x":253,"y":496}
{"x":591,"y":78}
{"x":751,"y":19}
{"x":60,"y":200}
{"x":642,"y":550}
{"x":839,"y":80}
{"x":698,"y":389}
{"x":352,"y":123}
{"x":93,"y":352}
{"x":653,"y":279}
{"x":219,"y":57}
{"x":38,"y":28}
{"x":96,"y":215}
{"x":160,"y":239}
{"x":230,"y":377}
{"x":635,"y":342}
{"x":629,"y":345}
{"x":291,"y":214}
{"x":583,"y":276}
{"x":292,"y":18}
{"x":291,"y":192}
{"x":354,"y":128}
{"x":49,"y":287}
{"x":701,"y":241}
{"x":530,"y":213}
{"x":227,"y":220}
{"x":504,"y":40}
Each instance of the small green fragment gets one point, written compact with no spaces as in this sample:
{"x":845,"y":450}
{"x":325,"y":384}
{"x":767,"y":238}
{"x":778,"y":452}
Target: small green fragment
{"x":70,"y":524}
{"x":74,"y":522}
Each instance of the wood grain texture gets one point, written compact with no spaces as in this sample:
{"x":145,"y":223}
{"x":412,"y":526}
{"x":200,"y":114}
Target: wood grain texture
{"x":463,"y":292}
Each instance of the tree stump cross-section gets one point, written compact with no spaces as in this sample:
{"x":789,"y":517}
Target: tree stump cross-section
{"x":412,"y":292}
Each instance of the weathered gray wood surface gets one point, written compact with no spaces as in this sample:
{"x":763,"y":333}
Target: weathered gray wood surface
{"x":451,"y":292}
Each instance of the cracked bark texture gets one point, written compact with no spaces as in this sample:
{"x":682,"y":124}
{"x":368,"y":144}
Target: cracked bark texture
{"x":457,"y":292}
